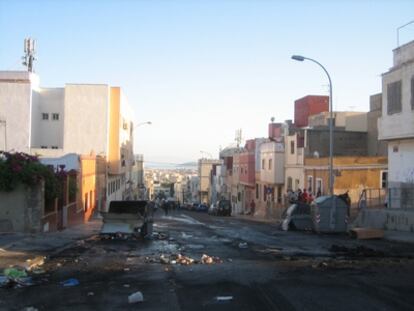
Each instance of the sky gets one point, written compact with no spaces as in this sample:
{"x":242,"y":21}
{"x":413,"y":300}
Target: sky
{"x":200,"y":70}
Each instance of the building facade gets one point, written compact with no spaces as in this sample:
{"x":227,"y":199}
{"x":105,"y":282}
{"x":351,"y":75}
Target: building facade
{"x":396,"y":126}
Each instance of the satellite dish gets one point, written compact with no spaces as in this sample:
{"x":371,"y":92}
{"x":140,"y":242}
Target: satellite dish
{"x":316,"y":154}
{"x":272,"y":119}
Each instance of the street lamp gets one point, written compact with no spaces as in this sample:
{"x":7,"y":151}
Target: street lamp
{"x":143,"y":123}
{"x":301,"y":59}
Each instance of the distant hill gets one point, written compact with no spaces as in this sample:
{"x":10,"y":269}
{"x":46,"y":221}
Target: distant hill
{"x":187,"y":164}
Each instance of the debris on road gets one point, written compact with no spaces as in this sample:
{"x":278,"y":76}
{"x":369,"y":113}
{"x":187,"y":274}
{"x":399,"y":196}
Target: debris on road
{"x":70,"y":282}
{"x":15,"y":273}
{"x":135,"y":297}
{"x":205,"y":259}
{"x":127,"y":285}
{"x":34,"y":263}
{"x":159,"y":235}
{"x":243,"y":245}
{"x":30,"y":309}
{"x":366,"y":233}
{"x":224,"y":298}
{"x":91,"y":294}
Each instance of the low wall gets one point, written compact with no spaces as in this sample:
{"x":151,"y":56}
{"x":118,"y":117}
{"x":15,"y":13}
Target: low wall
{"x":21,"y":210}
{"x":387,"y":219}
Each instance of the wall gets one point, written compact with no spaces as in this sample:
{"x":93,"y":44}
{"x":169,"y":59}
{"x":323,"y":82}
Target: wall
{"x":88,"y":187}
{"x":85,"y":118}
{"x":345,"y":143}
{"x":356,"y":122}
{"x":114,"y":152}
{"x":48,"y":132}
{"x":399,"y":220}
{"x":375,"y":146}
{"x":356,"y":173}
{"x":307,"y":106}
{"x":401,"y":162}
{"x":22,"y":209}
{"x":275,"y":152}
{"x":15,"y":109}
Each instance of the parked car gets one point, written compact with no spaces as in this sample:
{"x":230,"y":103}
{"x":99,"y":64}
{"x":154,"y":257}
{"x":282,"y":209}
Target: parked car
{"x":202,"y":207}
{"x":212,"y":209}
{"x":297,"y":217}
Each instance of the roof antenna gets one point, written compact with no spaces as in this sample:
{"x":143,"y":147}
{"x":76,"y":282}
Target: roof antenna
{"x":29,"y":52}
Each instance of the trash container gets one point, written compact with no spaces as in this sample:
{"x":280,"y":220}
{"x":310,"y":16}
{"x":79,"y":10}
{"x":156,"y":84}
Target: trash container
{"x":330,"y":214}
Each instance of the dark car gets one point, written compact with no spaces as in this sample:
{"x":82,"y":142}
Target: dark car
{"x":223,"y":208}
{"x":202,"y":207}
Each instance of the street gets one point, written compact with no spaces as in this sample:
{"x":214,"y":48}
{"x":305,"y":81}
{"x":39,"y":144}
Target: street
{"x":253,"y":266}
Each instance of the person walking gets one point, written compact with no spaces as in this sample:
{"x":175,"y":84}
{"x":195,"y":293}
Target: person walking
{"x":252,"y":208}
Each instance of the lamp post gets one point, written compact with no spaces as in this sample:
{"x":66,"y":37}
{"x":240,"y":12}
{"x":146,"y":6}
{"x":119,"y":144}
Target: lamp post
{"x":301,"y":59}
{"x":143,"y":123}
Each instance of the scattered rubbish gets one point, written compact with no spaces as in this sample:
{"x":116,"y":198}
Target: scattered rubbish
{"x":184,"y":260}
{"x":91,"y":294}
{"x":23,"y":281}
{"x":126,"y":269}
{"x":164,"y":260}
{"x":320,"y":265}
{"x":173,"y":262}
{"x":135,"y":297}
{"x":366,"y":233}
{"x":80,"y":243}
{"x":30,"y":309}
{"x":127,"y":285}
{"x":243,"y":245}
{"x":160,"y":235}
{"x":70,"y":282}
{"x":34,"y":263}
{"x":206,"y":259}
{"x":14,"y":273}
{"x":58,"y":265}
{"x":171,"y":239}
{"x":229,"y":260}
{"x":224,"y":298}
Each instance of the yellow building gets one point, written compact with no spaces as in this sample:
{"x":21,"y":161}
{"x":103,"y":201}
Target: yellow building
{"x":351,"y":174}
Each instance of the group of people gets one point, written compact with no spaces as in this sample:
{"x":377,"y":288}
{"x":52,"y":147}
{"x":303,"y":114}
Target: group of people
{"x":304,"y":196}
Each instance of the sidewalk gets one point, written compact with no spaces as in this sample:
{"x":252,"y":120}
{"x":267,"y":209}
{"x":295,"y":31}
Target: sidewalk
{"x":389,"y":235}
{"x":16,"y":248}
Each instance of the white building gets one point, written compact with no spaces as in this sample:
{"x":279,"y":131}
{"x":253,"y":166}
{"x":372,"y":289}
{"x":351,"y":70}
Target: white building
{"x":204,"y":173}
{"x":78,"y":118}
{"x":396,"y":126}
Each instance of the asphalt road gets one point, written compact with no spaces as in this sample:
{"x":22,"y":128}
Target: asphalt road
{"x":257,"y":267}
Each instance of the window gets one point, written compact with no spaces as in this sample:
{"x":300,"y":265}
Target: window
{"x":43,"y":147}
{"x":257,"y":191}
{"x":54,"y":147}
{"x":270,"y":164}
{"x":296,"y":184}
{"x":263,"y":164}
{"x":394,"y":97}
{"x":384,"y":179}
{"x":292,"y":147}
{"x":310,"y":183}
{"x":45,"y":116}
{"x":55,"y":116}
